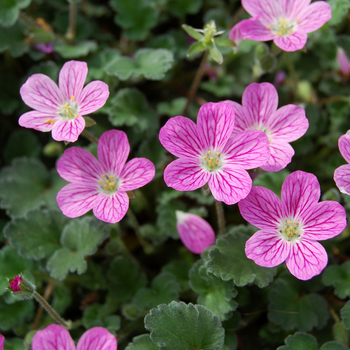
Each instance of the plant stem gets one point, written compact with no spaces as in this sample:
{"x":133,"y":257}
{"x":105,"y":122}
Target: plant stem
{"x":50,"y":310}
{"x":196,"y":81}
{"x":72,"y":19}
{"x":221,"y":217}
{"x":334,"y":99}
{"x":89,"y":136}
{"x":292,"y":72}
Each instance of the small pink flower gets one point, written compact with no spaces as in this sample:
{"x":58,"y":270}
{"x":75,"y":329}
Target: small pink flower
{"x":259,"y":111}
{"x":342,"y":174}
{"x":56,"y":337}
{"x":207,"y":154}
{"x":280,"y":77}
{"x":286,"y":22}
{"x":2,"y":340}
{"x":101,"y":185}
{"x":290,"y":227}
{"x":195,"y":233}
{"x":343,"y":61}
{"x":14,"y":284}
{"x":60,"y":108}
{"x":45,"y":47}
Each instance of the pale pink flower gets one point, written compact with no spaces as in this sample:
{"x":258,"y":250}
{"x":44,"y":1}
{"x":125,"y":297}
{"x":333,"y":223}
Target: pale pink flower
{"x":291,"y":226}
{"x":195,"y":233}
{"x":101,"y":185}
{"x":56,"y":337}
{"x":259,"y":111}
{"x":60,"y":108}
{"x":343,"y":61}
{"x":207,"y":154}
{"x":286,"y":22}
{"x":235,"y":33}
{"x":342,"y":174}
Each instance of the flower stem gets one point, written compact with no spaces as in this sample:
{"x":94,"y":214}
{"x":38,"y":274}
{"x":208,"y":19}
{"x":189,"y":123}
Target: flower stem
{"x":72,"y":19}
{"x":334,"y":99}
{"x":196,"y":81}
{"x":50,"y":310}
{"x":292,"y":72}
{"x":221,"y":217}
{"x":90,"y":137}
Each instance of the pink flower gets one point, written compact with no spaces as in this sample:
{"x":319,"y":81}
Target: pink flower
{"x":235,"y":33}
{"x":45,"y":47}
{"x":290,"y":227}
{"x":207,"y":154}
{"x":195,"y":233}
{"x":286,"y":22}
{"x":14,"y":284}
{"x":101,"y":185}
{"x":259,"y":111}
{"x":343,"y":61}
{"x":2,"y":340}
{"x":60,"y":109}
{"x":342,"y":174}
{"x":55,"y":337}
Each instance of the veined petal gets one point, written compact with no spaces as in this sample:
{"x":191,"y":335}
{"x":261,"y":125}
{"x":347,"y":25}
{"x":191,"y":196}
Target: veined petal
{"x":292,"y":42}
{"x":342,"y":178}
{"x":267,"y":249}
{"x":41,"y":93}
{"x":230,"y":185}
{"x":53,"y":337}
{"x":314,"y":16}
{"x":68,"y":131}
{"x":215,"y":124}
{"x":72,"y":78}
{"x":307,"y":259}
{"x":111,"y":208}
{"x":185,"y":174}
{"x":180,"y":137}
{"x":266,"y":9}
{"x":344,"y":146}
{"x":97,"y":338}
{"x":300,"y":193}
{"x":113,"y":151}
{"x":37,"y":121}
{"x":93,"y":97}
{"x":281,"y":156}
{"x":262,"y":208}
{"x":136,"y":173}
{"x":243,"y":120}
{"x":235,"y":33}
{"x":79,"y":165}
{"x":296,"y":7}
{"x":248,"y":150}
{"x":76,"y":199}
{"x":326,"y":221}
{"x":255,"y":30}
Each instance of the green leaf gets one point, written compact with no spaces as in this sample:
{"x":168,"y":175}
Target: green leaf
{"x":180,"y":269}
{"x":9,"y":11}
{"x":345,"y":315}
{"x":215,"y":294}
{"x":79,"y":239}
{"x":333,"y":345}
{"x":196,"y":48}
{"x":142,"y":342}
{"x":272,"y":180}
{"x":172,"y":108}
{"x":179,"y":8}
{"x":192,"y":32}
{"x":79,"y":49}
{"x":299,"y":341}
{"x":178,"y":326}
{"x":13,"y":40}
{"x":216,"y":54}
{"x":338,"y":277}
{"x":291,"y":310}
{"x":228,"y":261}
{"x":224,"y":42}
{"x":340,"y":9}
{"x":38,"y":235}
{"x":14,"y":344}
{"x":94,"y":277}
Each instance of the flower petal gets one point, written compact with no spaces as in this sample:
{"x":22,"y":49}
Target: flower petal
{"x":255,"y":30}
{"x":314,"y":16}
{"x":327,"y":221}
{"x":248,"y":150}
{"x":185,"y":174}
{"x":342,"y":178}
{"x":215,"y":123}
{"x":79,"y":165}
{"x":68,"y":131}
{"x":180,"y":137}
{"x":292,"y":42}
{"x":72,"y":78}
{"x":344,"y":146}
{"x":136,"y":173}
{"x":243,"y":120}
{"x":230,"y":185}
{"x":111,"y":208}
{"x":306,"y":259}
{"x":76,"y":199}
{"x":2,"y":340}
{"x":97,"y":338}
{"x":93,"y":97}
{"x":281,"y":156}
{"x":53,"y":337}
{"x":235,"y":33}
{"x":41,"y":93}
{"x":262,"y":208}
{"x":36,"y":120}
{"x":266,"y":9}
{"x":267,"y":249}
{"x":300,"y":193}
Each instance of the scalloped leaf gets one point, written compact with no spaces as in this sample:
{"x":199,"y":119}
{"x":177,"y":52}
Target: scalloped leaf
{"x":340,"y":9}
{"x":338,"y":277}
{"x":79,"y":49}
{"x":299,"y":341}
{"x":180,"y":269}
{"x":142,"y":342}
{"x":345,"y":315}
{"x":9,"y":11}
{"x":333,"y":345}
{"x":180,"y":8}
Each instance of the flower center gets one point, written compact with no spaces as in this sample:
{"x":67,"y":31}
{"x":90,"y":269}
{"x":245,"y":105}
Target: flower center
{"x":284,"y":26}
{"x":212,"y":161}
{"x":68,"y":111}
{"x":108,"y":183}
{"x":290,"y":230}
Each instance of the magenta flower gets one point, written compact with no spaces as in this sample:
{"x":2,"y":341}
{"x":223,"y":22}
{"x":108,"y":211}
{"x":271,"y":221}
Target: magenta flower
{"x":55,"y":337}
{"x":101,"y":185}
{"x":2,"y":340}
{"x":207,"y":154}
{"x":195,"y":233}
{"x":286,"y":22}
{"x":14,"y":284}
{"x":259,"y":111}
{"x":290,"y":228}
{"x":343,"y":61}
{"x":60,"y":108}
{"x":45,"y":47}
{"x":342,"y":174}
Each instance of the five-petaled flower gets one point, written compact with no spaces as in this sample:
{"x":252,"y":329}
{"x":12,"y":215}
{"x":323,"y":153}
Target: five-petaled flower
{"x":259,"y":111}
{"x":207,"y":154}
{"x":101,"y":185}
{"x":342,"y":174}
{"x":286,"y":22}
{"x":290,"y":228}
{"x":60,"y":108}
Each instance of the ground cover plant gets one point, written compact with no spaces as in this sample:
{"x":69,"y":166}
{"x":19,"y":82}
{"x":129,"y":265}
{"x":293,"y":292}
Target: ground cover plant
{"x":174,"y":174}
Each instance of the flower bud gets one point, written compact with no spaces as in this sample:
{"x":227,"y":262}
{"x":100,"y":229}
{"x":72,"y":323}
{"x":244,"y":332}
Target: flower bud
{"x":21,"y":288}
{"x":343,"y":61}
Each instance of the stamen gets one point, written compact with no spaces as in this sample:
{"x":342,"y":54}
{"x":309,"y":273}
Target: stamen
{"x":217,"y":161}
{"x":205,"y":157}
{"x":48,"y":121}
{"x":112,"y":184}
{"x":217,"y":153}
{"x":111,"y":176}
{"x":100,"y":183}
{"x":268,"y":27}
{"x":209,"y":152}
{"x":72,"y":98}
{"x":296,"y":20}
{"x":103,"y":175}
{"x":105,"y":187}
{"x":289,"y":222}
{"x":76,"y":116}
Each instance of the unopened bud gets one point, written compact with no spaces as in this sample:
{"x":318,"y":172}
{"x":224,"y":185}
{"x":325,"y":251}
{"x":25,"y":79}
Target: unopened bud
{"x":21,"y":288}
